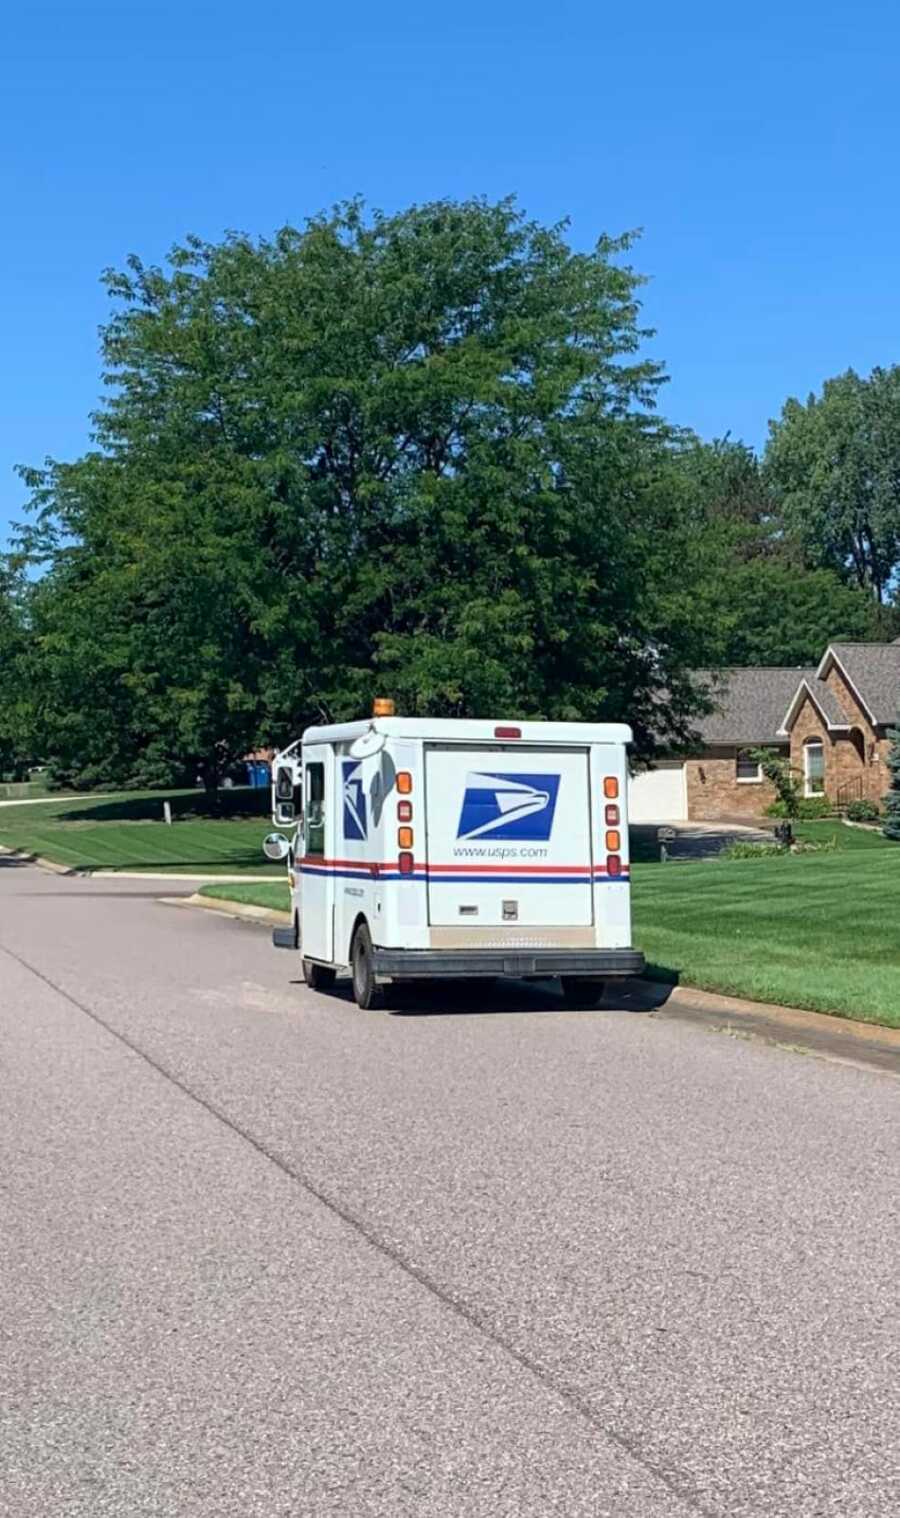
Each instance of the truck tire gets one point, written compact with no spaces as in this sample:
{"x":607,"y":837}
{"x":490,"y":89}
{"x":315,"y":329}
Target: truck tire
{"x":367,"y":994}
{"x":318,"y":977}
{"x":581,"y":993}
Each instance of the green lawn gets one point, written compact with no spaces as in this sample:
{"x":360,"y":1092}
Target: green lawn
{"x":820,"y":930}
{"x":257,"y":893}
{"x":810,"y":930}
{"x":127,"y":832}
{"x":22,"y":790}
{"x":814,"y":930}
{"x":840,"y":835}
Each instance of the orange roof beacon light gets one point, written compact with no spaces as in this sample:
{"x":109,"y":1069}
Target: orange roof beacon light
{"x":383,"y":706}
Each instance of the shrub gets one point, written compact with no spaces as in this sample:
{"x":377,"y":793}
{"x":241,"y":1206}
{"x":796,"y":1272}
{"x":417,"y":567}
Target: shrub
{"x":809,"y":809}
{"x":863,"y":811}
{"x":814,"y":807}
{"x":741,"y":850}
{"x":806,"y":846}
{"x":892,"y":800}
{"x":781,"y":774}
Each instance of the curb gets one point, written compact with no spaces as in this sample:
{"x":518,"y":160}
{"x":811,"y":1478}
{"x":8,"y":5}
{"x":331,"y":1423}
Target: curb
{"x":44,"y":864}
{"x":866,"y":1046}
{"x":264,"y":916}
{"x":189,"y":879}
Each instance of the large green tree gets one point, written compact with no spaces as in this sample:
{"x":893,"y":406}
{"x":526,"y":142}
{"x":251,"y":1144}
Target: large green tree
{"x":776,"y":612}
{"x":764,"y":602}
{"x":415,"y":453}
{"x":14,"y":753}
{"x":144,"y":658}
{"x":834,"y":465}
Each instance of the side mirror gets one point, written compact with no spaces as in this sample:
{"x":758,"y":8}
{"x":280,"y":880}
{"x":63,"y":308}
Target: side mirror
{"x":276,"y":847}
{"x":284,"y":813}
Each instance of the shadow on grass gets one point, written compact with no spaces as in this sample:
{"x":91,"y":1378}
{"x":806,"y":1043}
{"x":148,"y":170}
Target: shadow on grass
{"x":190,"y":806}
{"x":643,"y":844}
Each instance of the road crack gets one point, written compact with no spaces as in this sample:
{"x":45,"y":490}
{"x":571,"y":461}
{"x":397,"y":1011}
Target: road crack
{"x":569,"y":1395}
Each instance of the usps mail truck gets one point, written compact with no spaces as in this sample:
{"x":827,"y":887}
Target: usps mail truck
{"x":430,"y":849}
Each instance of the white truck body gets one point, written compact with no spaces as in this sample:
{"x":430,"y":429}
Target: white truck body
{"x":464,"y":847}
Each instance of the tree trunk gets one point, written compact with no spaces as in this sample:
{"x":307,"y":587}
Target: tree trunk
{"x":210,"y":775}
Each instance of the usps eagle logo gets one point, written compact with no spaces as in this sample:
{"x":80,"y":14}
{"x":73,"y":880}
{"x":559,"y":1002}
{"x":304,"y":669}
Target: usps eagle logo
{"x":508,"y":806}
{"x":354,"y":802}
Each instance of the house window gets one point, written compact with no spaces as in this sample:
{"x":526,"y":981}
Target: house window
{"x":747,"y":768}
{"x":814,"y":767}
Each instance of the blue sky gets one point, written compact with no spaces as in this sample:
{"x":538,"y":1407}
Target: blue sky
{"x":758,"y":146}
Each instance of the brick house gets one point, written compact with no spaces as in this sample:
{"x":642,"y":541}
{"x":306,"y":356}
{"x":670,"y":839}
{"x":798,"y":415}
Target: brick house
{"x":831,"y":722}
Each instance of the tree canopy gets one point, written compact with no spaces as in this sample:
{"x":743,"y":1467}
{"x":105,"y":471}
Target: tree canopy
{"x":417,"y":455}
{"x":765,"y":602}
{"x":12,"y":646}
{"x":834,"y":464}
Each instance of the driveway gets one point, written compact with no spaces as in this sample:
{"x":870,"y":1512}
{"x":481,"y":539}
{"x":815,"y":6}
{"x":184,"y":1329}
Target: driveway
{"x":265,"y":1254}
{"x":693,"y":840}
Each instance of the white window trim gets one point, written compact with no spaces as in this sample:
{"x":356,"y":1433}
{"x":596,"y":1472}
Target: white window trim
{"x":815,"y":743}
{"x":756,"y":779}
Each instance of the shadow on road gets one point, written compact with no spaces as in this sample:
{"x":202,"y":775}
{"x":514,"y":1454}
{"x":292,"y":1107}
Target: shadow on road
{"x":480,"y":998}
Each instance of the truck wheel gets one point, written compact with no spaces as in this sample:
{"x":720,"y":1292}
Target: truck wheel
{"x":318,"y":977}
{"x":366,"y":992}
{"x":581,"y":993}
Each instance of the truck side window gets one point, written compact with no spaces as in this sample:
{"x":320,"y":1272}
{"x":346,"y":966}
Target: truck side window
{"x":314,"y":810}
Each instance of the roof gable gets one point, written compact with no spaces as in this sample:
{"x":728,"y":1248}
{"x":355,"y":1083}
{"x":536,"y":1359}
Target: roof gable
{"x":872,"y":671}
{"x":822,"y":698}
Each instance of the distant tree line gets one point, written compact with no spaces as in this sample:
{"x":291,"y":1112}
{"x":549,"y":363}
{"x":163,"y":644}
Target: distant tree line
{"x":419,"y":455}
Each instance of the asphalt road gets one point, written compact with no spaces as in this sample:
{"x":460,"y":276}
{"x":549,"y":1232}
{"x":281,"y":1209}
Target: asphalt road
{"x":261,"y":1253}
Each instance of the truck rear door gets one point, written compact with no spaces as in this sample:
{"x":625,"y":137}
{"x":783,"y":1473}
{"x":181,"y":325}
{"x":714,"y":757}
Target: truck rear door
{"x":508,"y":835}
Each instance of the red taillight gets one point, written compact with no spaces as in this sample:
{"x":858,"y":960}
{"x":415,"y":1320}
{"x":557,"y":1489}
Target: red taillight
{"x":405,"y":864}
{"x":611,"y":787}
{"x":613,"y":864}
{"x":404,"y":811}
{"x":612,"y":816}
{"x":507,"y":732}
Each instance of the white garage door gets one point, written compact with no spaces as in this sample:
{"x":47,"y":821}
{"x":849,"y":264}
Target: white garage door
{"x":658,"y":795}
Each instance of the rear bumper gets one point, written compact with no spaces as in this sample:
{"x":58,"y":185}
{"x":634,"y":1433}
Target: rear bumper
{"x":441,"y":964}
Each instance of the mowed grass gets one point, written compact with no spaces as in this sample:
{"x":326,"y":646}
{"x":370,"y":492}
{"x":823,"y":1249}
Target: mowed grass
{"x":127,"y":832}
{"x":275,"y":894}
{"x":819,"y":930}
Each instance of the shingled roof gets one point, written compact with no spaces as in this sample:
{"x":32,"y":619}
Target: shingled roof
{"x":824,"y":699}
{"x":873,"y":670}
{"x":755,"y":705}
{"x":750,"y":703}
